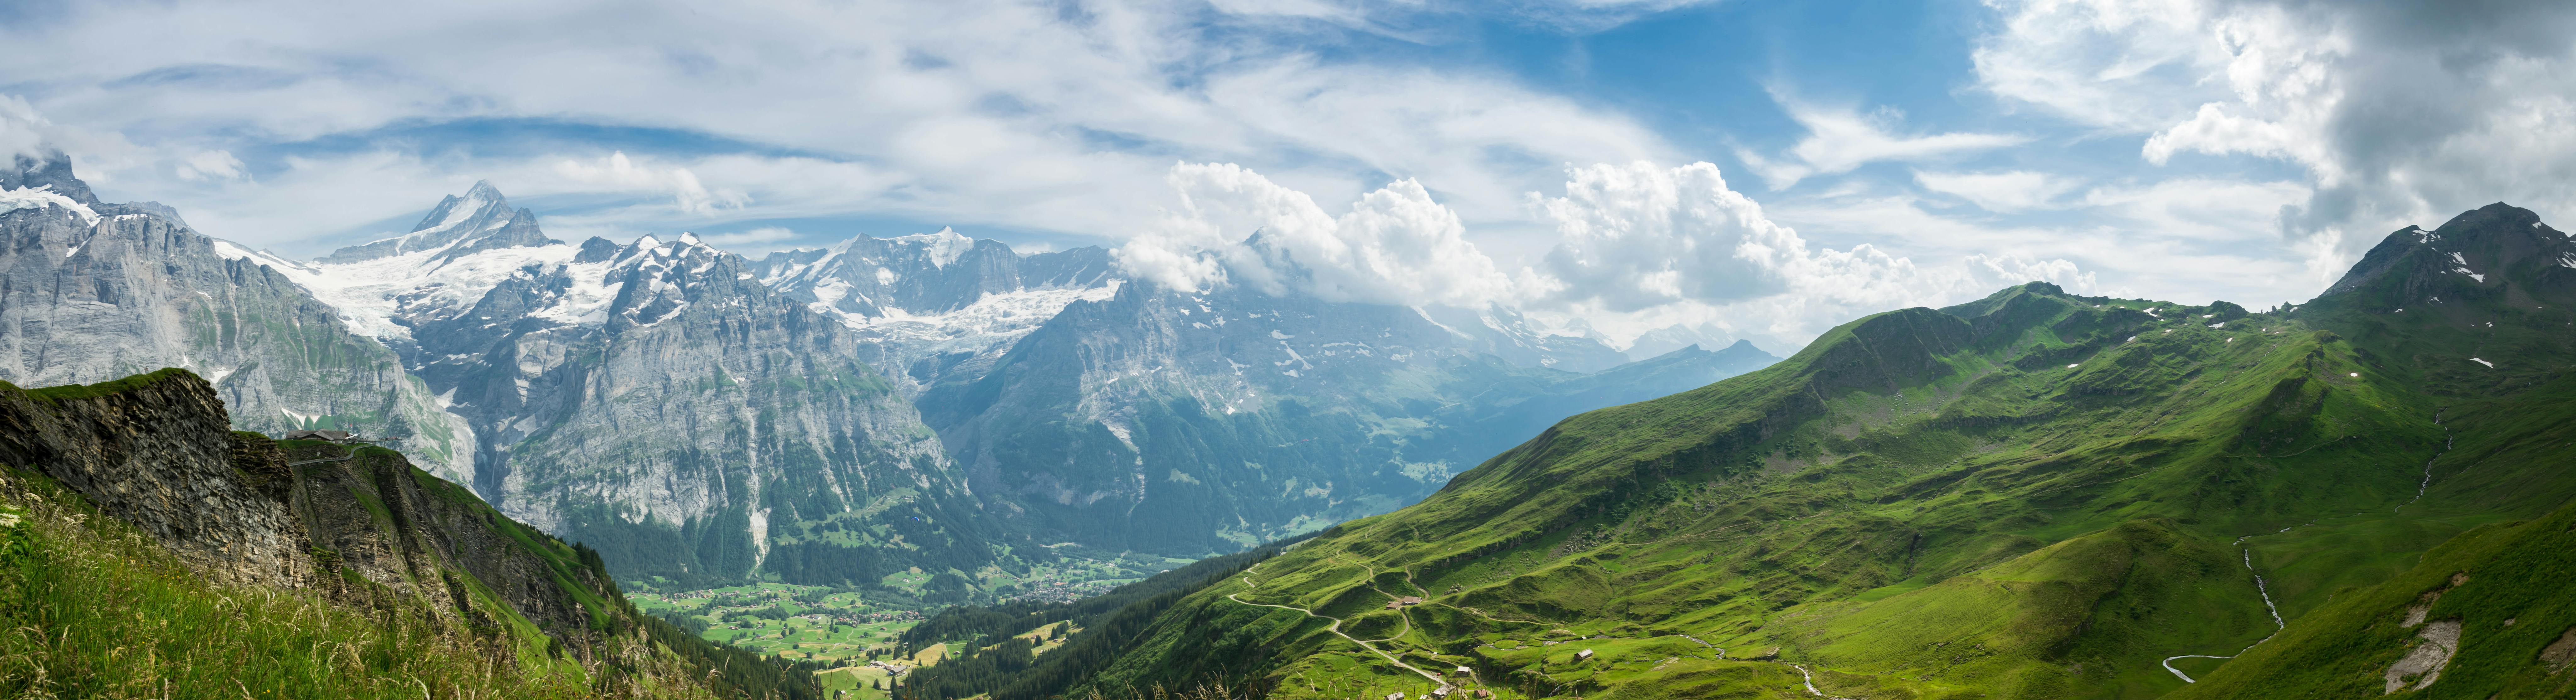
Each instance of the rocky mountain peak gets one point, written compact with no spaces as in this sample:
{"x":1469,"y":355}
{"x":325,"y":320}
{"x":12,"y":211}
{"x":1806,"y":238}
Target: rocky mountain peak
{"x":2495,"y":249}
{"x":478,"y":221}
{"x":51,"y":170}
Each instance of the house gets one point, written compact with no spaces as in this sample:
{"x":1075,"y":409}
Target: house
{"x":1395,"y":696}
{"x":1465,"y":671}
{"x":1584,"y":655}
{"x":1443,"y":691}
{"x":1404,"y":601}
{"x":330,"y":435}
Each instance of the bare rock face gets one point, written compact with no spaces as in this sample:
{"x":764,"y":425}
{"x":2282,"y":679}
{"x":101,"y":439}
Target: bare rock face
{"x":92,"y":291}
{"x":655,"y":400}
{"x":157,"y":455}
{"x":2438,"y":641}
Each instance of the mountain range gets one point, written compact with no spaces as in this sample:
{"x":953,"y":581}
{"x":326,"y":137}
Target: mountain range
{"x":2035,"y":495}
{"x":928,"y":402}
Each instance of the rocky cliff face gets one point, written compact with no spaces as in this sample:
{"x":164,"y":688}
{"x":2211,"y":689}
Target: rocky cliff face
{"x":657,"y":401}
{"x":91,"y":291}
{"x":155,"y":451}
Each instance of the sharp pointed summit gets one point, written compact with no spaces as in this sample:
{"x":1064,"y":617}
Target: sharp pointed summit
{"x":459,"y":226}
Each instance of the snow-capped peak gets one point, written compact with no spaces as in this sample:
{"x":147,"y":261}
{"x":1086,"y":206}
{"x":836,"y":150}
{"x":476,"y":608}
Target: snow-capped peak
{"x":939,"y":248}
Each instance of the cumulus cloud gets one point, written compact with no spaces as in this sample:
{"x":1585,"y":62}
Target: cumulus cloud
{"x":2398,"y":112}
{"x":1639,"y":247}
{"x":1396,"y":245}
{"x":1645,"y":247}
{"x":1640,"y":235}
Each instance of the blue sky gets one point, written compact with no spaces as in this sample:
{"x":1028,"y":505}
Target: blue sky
{"x":1746,"y":169}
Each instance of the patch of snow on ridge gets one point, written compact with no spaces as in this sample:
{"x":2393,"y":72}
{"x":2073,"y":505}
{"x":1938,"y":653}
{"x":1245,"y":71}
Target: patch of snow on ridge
{"x":2490,"y":365}
{"x":41,"y":197}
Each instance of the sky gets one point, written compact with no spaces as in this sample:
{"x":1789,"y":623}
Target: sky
{"x":1726,"y":169}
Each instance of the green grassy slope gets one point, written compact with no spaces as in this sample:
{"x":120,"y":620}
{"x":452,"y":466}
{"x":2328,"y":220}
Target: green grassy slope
{"x":2035,"y":495}
{"x":2506,"y":584}
{"x":102,"y":610}
{"x":374,"y":579}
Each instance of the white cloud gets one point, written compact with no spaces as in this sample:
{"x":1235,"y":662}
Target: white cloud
{"x":211,"y":165}
{"x":1839,"y":140}
{"x":1648,"y":247}
{"x":1022,"y":115}
{"x":765,"y":234}
{"x":1233,"y":226}
{"x":2398,"y":112}
{"x":616,"y":171}
{"x":2000,"y":192}
{"x":20,"y":127}
{"x":1641,"y":235}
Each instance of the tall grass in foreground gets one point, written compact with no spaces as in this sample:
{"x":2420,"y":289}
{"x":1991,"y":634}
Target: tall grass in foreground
{"x":92,"y":608}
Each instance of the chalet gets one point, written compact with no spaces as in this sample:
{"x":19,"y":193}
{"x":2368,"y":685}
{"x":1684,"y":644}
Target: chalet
{"x":330,"y":435}
{"x":1410,"y":600}
{"x":1584,"y":655}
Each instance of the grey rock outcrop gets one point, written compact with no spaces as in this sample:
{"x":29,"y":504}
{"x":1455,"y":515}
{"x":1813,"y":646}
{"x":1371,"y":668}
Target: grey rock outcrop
{"x":155,"y":451}
{"x":88,"y":296}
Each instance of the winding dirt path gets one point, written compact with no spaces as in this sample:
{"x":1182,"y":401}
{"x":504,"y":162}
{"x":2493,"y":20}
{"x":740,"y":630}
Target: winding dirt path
{"x":1336,"y":629}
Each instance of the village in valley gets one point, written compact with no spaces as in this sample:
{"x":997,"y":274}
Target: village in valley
{"x":852,"y":631}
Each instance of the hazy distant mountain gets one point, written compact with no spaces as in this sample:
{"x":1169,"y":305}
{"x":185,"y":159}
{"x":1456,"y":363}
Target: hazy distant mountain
{"x":1184,"y":423}
{"x":937,"y":305}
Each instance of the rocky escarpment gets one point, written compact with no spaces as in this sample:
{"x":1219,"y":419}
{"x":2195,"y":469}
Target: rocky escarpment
{"x":91,"y":291}
{"x":154,"y":450}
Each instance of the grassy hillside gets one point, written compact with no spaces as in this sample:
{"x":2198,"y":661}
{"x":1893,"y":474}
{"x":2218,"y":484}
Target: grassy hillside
{"x":2037,"y":495}
{"x":99,"y":609}
{"x":2504,"y":587}
{"x":145,"y":550}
